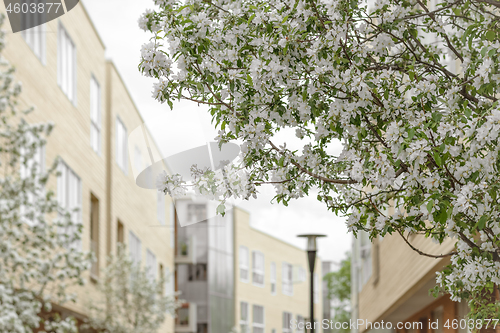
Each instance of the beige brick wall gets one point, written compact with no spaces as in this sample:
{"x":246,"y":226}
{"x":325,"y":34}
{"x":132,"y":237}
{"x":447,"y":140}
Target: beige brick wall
{"x":133,"y":206}
{"x":118,"y":195}
{"x":402,"y":271}
{"x":277,"y":251}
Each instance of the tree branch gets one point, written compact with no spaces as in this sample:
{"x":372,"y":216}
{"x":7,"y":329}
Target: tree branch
{"x":312,"y":174}
{"x":423,"y":253}
{"x":490,"y":2}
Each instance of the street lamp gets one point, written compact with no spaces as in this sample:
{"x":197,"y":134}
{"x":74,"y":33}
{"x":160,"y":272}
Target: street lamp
{"x":311,"y":256}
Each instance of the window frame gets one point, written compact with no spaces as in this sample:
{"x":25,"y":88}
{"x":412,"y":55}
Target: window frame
{"x":242,"y":266}
{"x":121,"y":145}
{"x":256,"y":325}
{"x":136,"y":252}
{"x":259,"y":271}
{"x":96,"y":124}
{"x":63,"y":61}
{"x":64,"y":180}
{"x":39,"y":157}
{"x":151,"y":265}
{"x":287,"y":317}
{"x":30,"y":37}
{"x":289,"y":282}
{"x":301,"y":319}
{"x":244,"y":324}
{"x":273,"y":277}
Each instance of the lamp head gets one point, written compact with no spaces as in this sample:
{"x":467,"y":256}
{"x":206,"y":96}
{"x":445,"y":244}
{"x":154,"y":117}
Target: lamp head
{"x":311,"y":241}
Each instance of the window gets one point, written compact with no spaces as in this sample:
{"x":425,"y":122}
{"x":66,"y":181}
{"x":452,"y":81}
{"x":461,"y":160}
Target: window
{"x":95,"y":115}
{"x":70,"y":198}
{"x":197,"y":272}
{"x":258,"y":268}
{"x":160,"y":207}
{"x":463,"y":310}
{"x":120,"y":233}
{"x":302,"y":274}
{"x":287,"y":279}
{"x":365,"y":252}
{"x":34,"y":32}
{"x":287,"y":322}
{"x":437,"y":317}
{"x":243,"y":263}
{"x":32,"y":166}
{"x":134,"y":248}
{"x":94,"y":234}
{"x":121,"y":145}
{"x":300,"y":324}
{"x":273,"y":278}
{"x":66,"y":64}
{"x":316,"y":288}
{"x":244,"y":317}
{"x":258,"y":319}
{"x":169,"y":282}
{"x":162,"y":278}
{"x":151,"y":265}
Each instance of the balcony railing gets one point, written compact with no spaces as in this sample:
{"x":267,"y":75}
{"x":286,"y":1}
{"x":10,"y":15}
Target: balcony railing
{"x":186,"y":319}
{"x":186,"y":251}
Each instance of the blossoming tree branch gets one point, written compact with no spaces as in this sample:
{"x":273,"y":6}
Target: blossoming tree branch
{"x":409,"y":87}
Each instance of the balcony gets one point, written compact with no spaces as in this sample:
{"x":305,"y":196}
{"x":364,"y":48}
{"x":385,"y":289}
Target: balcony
{"x":186,"y":319}
{"x":186,"y":251}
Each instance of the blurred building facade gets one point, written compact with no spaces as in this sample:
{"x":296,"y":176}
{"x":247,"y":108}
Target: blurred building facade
{"x":391,"y":283}
{"x":65,"y":75}
{"x":233,"y":276}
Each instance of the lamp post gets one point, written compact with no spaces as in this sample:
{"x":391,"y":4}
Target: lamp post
{"x":311,"y":256}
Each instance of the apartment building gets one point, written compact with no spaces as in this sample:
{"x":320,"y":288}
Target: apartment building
{"x":234,"y":276}
{"x":272,"y":282}
{"x":66,"y":77}
{"x":391,"y":283}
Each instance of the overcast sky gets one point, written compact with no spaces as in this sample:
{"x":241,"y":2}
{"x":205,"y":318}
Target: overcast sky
{"x":188,"y":126}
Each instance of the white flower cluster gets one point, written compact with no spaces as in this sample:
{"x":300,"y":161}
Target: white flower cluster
{"x":412,"y":97}
{"x":154,"y":62}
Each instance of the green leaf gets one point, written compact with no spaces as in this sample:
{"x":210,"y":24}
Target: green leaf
{"x":437,"y":158}
{"x":221,"y":209}
{"x":430,"y":204}
{"x":411,"y":133}
{"x":482,"y":222}
{"x":483,"y":51}
{"x":490,"y":35}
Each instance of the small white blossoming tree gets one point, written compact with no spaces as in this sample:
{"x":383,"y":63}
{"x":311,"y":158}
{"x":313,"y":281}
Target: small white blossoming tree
{"x":409,"y":87}
{"x":37,"y":262}
{"x":132,"y":300}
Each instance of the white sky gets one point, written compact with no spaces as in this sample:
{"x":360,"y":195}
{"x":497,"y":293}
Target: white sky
{"x":188,"y":126}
